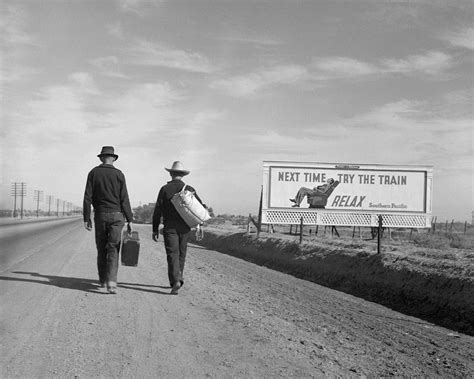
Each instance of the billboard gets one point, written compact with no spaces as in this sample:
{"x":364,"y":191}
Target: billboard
{"x":347,"y":187}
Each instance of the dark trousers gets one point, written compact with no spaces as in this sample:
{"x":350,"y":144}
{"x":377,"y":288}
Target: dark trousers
{"x":108,"y":234}
{"x":176,"y":244}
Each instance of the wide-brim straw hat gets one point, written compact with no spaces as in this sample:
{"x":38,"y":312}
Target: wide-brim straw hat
{"x":178,"y":167}
{"x":108,"y":151}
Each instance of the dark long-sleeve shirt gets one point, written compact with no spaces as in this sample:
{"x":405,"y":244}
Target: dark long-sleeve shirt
{"x":106,"y":191}
{"x":164,"y":207}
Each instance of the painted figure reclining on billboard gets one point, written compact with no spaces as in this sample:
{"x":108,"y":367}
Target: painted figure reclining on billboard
{"x":316,"y":197}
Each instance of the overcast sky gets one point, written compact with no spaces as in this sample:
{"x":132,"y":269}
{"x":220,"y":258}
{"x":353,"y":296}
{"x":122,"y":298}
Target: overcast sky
{"x":224,"y":85}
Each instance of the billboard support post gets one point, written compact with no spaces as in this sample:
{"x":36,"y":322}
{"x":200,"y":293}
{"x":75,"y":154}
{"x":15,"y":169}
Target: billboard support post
{"x":379,"y":234}
{"x":259,"y":220}
{"x":301,"y":230}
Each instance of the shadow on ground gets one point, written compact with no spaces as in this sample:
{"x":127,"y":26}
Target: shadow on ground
{"x":80,"y":284}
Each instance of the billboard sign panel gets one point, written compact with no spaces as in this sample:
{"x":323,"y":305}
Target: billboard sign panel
{"x":348,"y":187}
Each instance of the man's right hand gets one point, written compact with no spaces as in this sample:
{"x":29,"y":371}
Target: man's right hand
{"x":155,"y":236}
{"x":88,"y":226}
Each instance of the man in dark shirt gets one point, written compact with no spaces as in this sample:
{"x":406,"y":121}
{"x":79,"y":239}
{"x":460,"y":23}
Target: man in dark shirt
{"x":175,"y":230}
{"x":106,"y":190}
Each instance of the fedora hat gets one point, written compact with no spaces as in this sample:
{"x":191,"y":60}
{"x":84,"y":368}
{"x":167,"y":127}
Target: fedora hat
{"x":108,"y":150}
{"x":178,"y":167}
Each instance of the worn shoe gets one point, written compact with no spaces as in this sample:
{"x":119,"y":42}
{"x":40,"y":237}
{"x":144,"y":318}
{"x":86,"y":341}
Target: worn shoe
{"x":295,"y":206}
{"x":181,"y":282}
{"x":102,"y":284}
{"x":112,"y":287}
{"x":293,"y":200}
{"x":175,"y":289}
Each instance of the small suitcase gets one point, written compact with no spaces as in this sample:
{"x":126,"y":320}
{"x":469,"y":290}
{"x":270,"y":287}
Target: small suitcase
{"x":130,"y":249}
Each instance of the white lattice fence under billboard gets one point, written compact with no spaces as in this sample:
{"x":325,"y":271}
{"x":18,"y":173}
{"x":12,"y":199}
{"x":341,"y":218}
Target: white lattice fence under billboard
{"x":405,"y":221}
{"x":343,"y":219}
{"x":325,"y":217}
{"x":289,"y":217}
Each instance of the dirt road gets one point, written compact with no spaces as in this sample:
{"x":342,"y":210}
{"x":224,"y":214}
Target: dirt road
{"x":231,"y":319}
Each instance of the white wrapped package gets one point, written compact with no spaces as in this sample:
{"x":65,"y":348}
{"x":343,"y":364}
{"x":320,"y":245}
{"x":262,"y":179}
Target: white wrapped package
{"x":189,"y":208}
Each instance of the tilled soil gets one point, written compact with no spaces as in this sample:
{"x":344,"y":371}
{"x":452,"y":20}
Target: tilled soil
{"x":232,"y":318}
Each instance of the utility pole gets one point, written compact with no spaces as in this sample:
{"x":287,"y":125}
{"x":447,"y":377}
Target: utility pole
{"x":57,"y":207}
{"x":38,"y":195}
{"x":22,"y":195}
{"x":50,"y":200}
{"x":18,"y":189}
{"x":14,"y":193}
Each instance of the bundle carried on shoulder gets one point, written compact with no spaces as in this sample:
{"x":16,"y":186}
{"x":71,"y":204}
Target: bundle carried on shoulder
{"x":189,"y":208}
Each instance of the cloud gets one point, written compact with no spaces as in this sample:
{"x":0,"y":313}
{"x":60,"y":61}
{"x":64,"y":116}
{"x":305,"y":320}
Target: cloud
{"x":251,"y":83}
{"x":146,"y":53}
{"x":402,"y":132}
{"x":391,"y":116}
{"x":402,"y":128}
{"x":115,"y":30}
{"x":12,"y":25}
{"x":15,"y":45}
{"x":108,"y":66}
{"x":344,"y":67}
{"x":257,"y":41}
{"x":59,"y":112}
{"x":138,"y":7}
{"x":431,"y":63}
{"x":461,"y":38}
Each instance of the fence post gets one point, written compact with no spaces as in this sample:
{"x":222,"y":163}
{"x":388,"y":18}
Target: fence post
{"x":379,"y":235}
{"x":259,"y":221}
{"x":301,"y":230}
